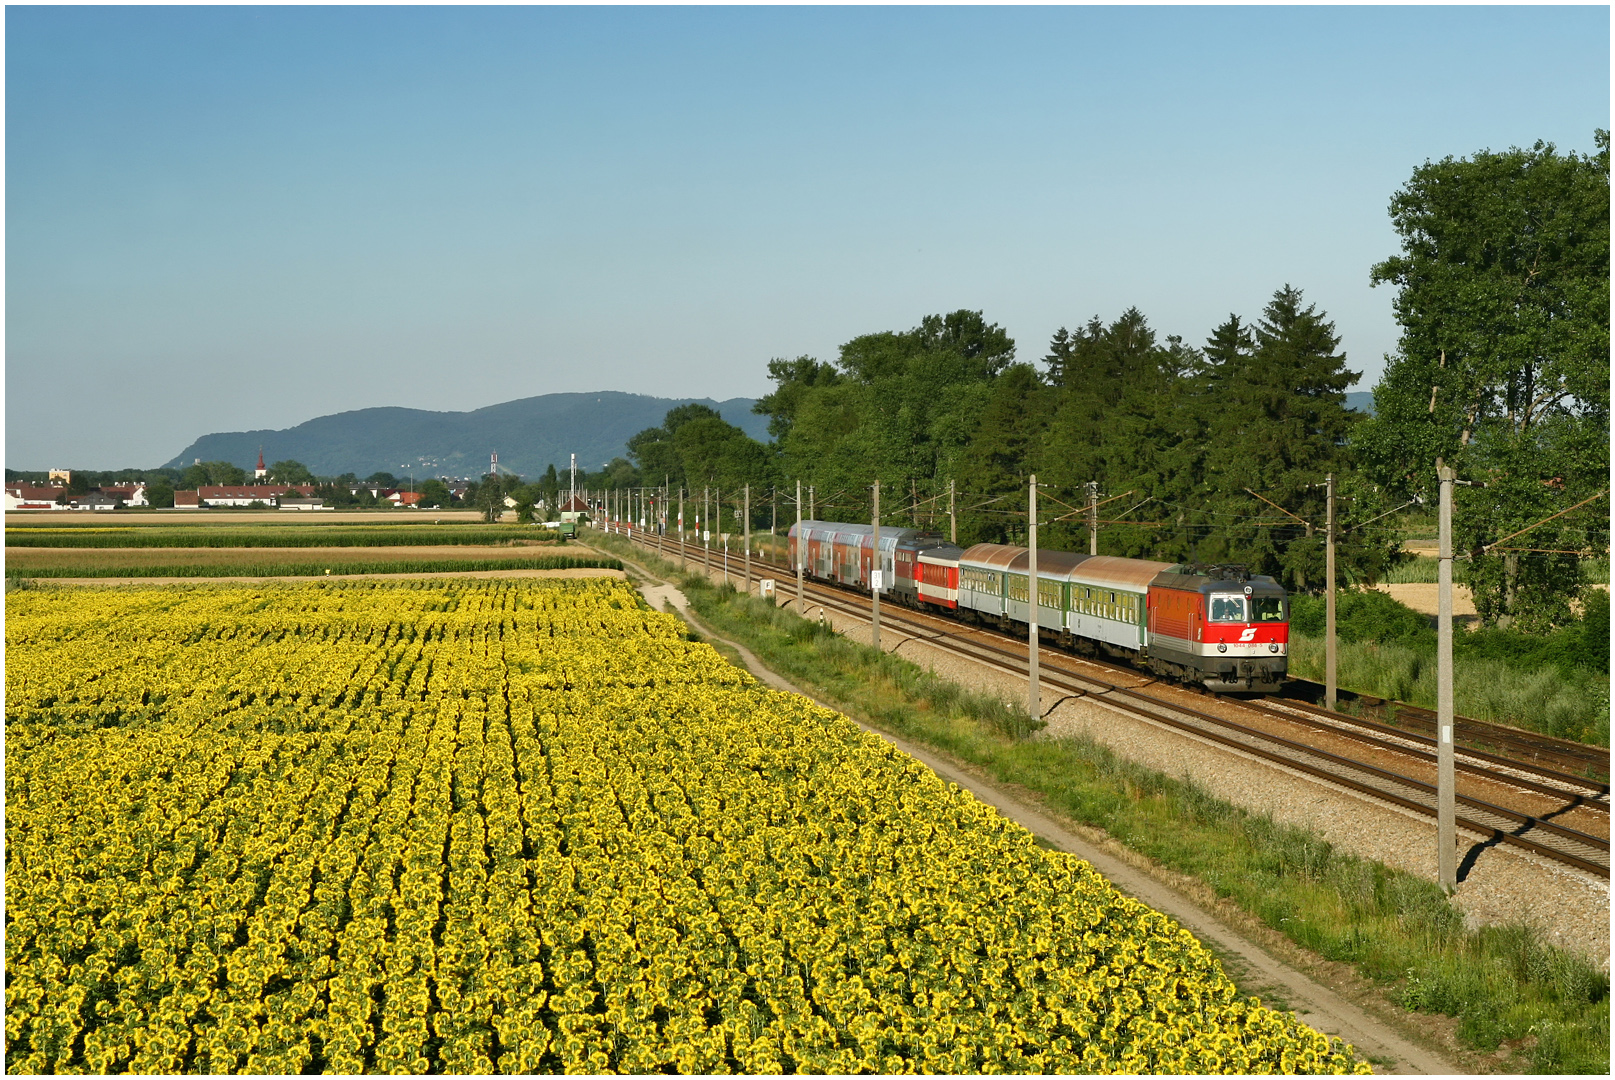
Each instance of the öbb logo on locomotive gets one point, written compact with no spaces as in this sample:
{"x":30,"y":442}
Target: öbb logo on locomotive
{"x":1219,"y":626}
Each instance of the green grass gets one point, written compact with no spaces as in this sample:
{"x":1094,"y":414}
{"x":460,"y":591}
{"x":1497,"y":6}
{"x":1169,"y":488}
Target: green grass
{"x":1505,"y":986}
{"x":1426,"y":569}
{"x":312,"y":569}
{"x":283,"y":536}
{"x":1573,"y":706}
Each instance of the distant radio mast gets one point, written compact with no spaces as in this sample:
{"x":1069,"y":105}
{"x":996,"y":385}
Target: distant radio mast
{"x":493,"y":463}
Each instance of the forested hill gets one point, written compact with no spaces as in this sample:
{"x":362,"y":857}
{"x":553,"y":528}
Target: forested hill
{"x":528,"y":434}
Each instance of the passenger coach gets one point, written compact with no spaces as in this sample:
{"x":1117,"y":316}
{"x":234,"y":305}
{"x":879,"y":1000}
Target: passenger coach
{"x":1219,"y":626}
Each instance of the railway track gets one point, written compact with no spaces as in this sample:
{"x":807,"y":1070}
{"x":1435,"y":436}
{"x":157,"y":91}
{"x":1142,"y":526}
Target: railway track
{"x":1387,"y":766}
{"x":1560,"y":754}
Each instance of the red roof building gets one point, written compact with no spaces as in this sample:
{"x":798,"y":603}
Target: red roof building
{"x":25,"y":496}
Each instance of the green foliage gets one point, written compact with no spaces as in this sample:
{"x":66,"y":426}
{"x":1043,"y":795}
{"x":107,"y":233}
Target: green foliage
{"x":211,"y":474}
{"x":1368,"y":615}
{"x":290,"y":472}
{"x":1503,"y":364}
{"x":1364,"y":615}
{"x":435,"y":494}
{"x":896,"y":407}
{"x":695,"y":448}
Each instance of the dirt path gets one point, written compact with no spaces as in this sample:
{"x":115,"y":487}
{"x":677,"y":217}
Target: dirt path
{"x":1257,"y":970}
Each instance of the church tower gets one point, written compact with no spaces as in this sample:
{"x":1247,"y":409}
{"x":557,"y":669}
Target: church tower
{"x":260,"y":472}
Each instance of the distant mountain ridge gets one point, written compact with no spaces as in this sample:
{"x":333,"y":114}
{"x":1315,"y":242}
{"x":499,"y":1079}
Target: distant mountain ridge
{"x":529,"y":434}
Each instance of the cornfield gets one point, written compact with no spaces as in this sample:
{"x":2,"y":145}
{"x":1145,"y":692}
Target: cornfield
{"x":529,"y":827}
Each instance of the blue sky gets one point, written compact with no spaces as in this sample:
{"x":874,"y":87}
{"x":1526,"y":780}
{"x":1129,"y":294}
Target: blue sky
{"x":236,"y":218}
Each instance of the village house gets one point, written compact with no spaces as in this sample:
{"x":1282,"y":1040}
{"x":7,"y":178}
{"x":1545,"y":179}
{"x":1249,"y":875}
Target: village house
{"x":21,"y":495}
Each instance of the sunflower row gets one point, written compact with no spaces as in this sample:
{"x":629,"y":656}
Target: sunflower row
{"x":529,"y":827}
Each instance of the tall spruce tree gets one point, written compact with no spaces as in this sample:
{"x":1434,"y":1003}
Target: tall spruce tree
{"x":1118,"y":421}
{"x":1277,"y":423}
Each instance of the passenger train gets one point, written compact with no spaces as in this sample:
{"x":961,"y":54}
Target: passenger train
{"x":1217,"y":626}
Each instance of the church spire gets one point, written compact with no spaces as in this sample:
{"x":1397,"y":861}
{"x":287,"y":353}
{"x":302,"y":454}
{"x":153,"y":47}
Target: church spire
{"x":260,"y":472}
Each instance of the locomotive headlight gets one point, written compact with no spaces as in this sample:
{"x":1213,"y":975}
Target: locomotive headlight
{"x":1273,"y":647}
{"x":1222,"y":647}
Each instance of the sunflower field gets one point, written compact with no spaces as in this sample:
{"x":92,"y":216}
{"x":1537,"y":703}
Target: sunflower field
{"x":527,"y":826}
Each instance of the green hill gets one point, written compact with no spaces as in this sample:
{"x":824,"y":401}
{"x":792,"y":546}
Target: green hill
{"x":528,"y":434}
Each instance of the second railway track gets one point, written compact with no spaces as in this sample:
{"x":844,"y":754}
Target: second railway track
{"x":1368,"y":757}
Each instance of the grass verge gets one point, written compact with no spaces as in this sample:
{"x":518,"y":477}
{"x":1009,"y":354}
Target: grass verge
{"x":1545,"y":1009}
{"x":1573,"y":705}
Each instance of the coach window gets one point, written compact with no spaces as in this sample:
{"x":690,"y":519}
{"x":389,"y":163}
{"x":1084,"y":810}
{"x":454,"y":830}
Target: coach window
{"x":1227,"y":609}
{"x":1017,"y":587}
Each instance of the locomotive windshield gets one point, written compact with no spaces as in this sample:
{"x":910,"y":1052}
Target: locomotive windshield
{"x":1267,"y":609}
{"x":1226,"y":608}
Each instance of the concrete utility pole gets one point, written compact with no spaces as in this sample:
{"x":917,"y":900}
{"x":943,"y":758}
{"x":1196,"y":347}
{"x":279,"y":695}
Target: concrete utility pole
{"x":810,"y":503}
{"x":874,"y":572}
{"x":1446,"y":801}
{"x":747,"y":527}
{"x":1329,"y":605}
{"x":1093,"y":517}
{"x":953,"y":522}
{"x":706,"y":528}
{"x":572,"y":503}
{"x":681,"y":527}
{"x":801,"y":548}
{"x":1034,"y":696}
{"x":773,"y":521}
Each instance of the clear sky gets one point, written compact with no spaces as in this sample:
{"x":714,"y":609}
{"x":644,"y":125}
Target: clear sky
{"x":233,"y":218}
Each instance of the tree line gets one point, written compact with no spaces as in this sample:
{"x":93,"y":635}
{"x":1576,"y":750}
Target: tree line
{"x":1218,"y":451}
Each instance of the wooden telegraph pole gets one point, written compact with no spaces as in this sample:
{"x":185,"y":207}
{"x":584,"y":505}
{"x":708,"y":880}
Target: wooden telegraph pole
{"x":874,"y":573}
{"x":1034,"y":697}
